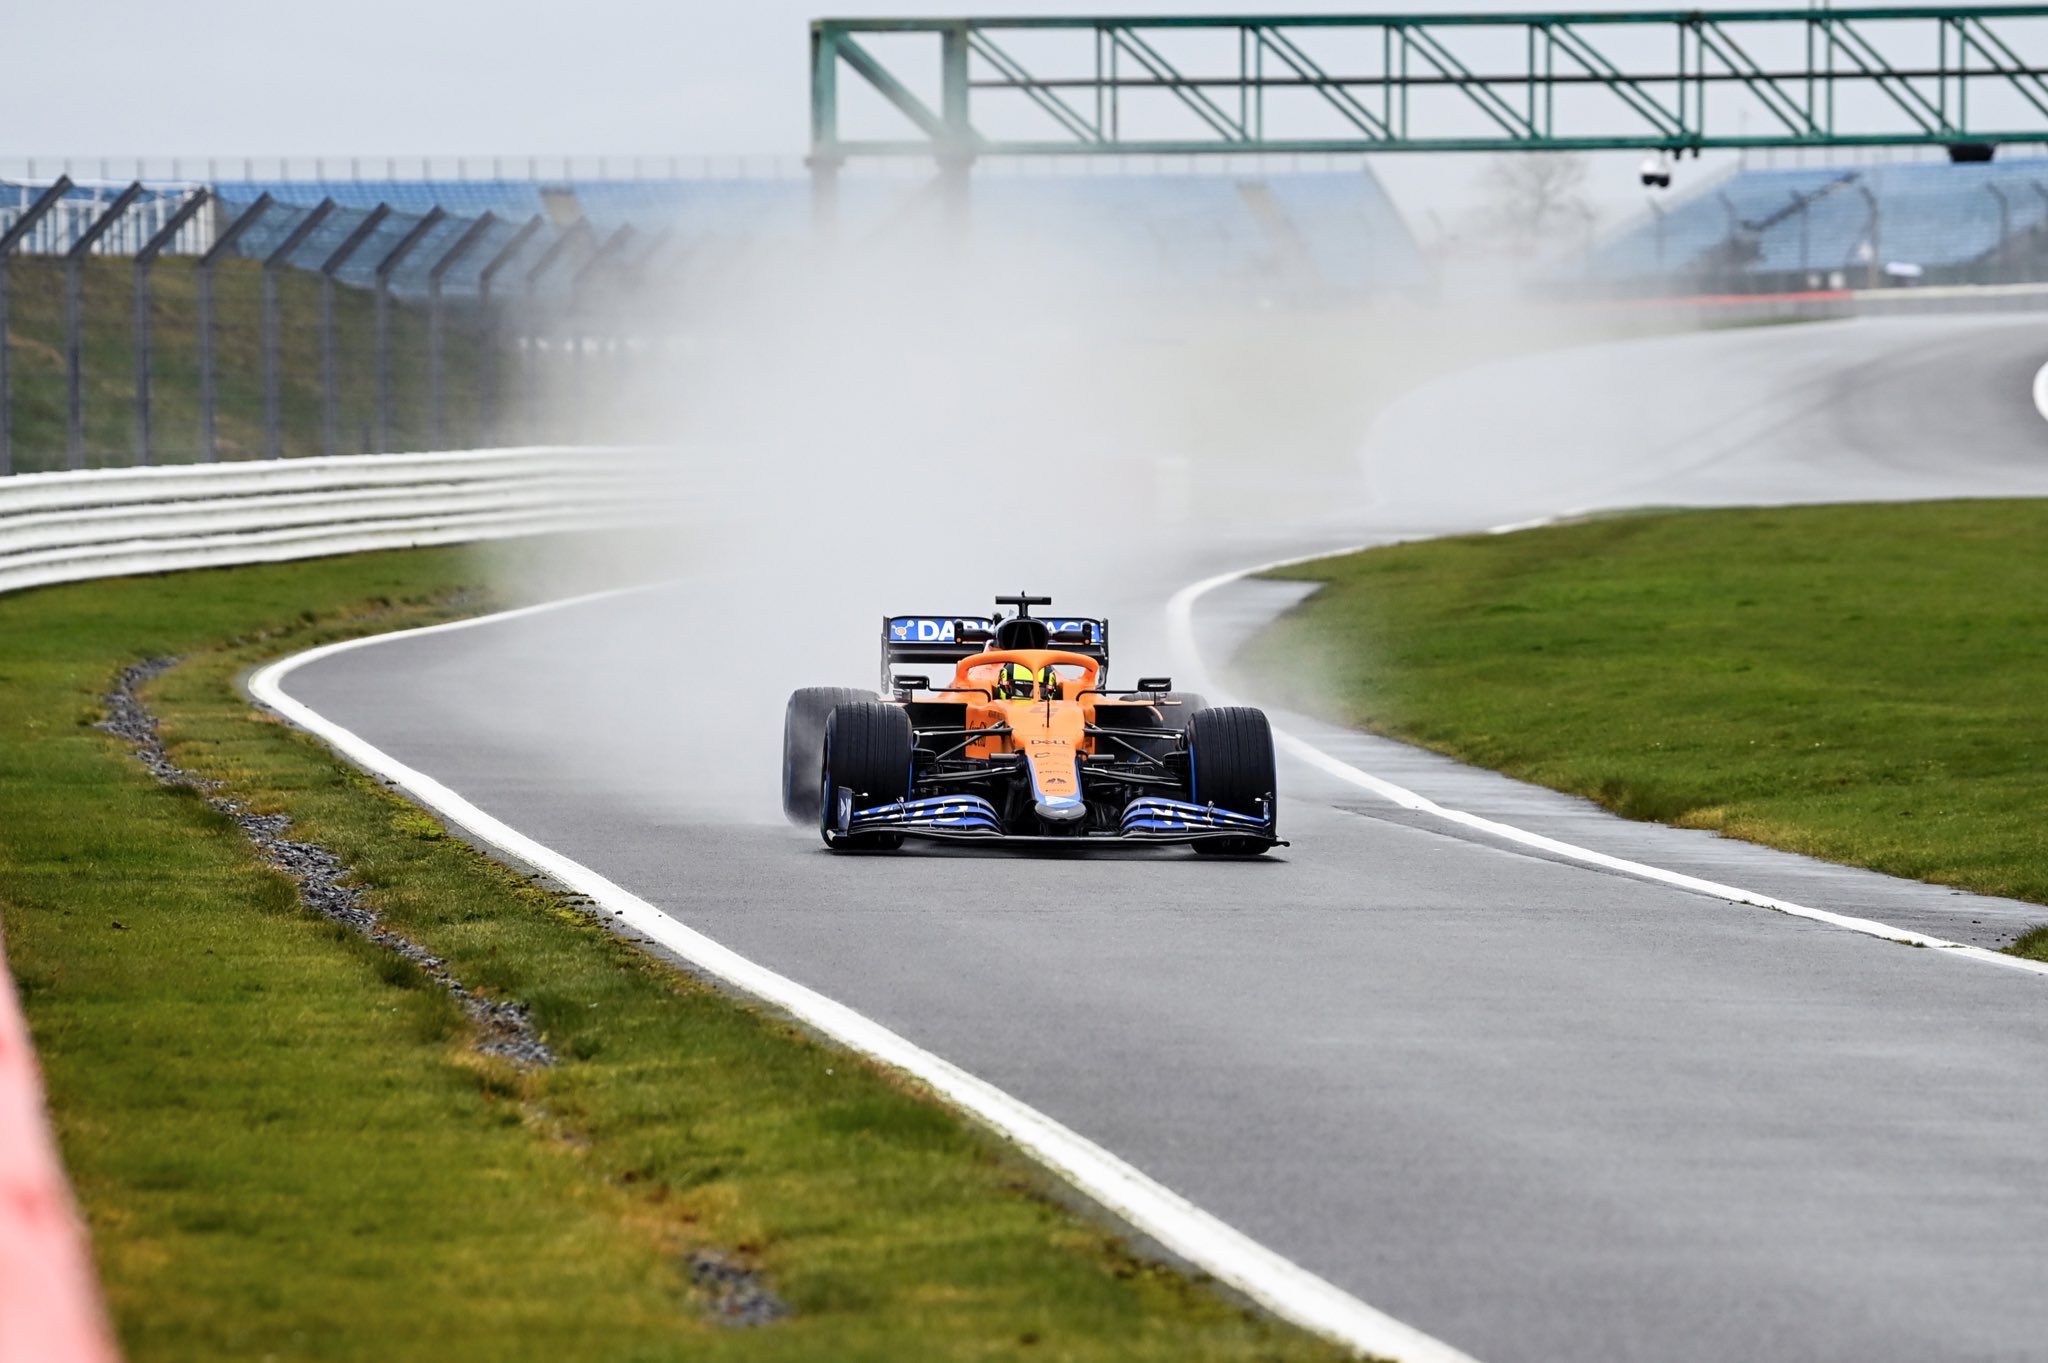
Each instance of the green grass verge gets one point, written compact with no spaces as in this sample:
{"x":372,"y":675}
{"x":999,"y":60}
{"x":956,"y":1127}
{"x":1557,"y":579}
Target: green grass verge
{"x":286,"y":1147}
{"x":1858,"y":683}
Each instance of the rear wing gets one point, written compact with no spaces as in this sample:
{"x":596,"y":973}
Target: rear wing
{"x":949,"y":638}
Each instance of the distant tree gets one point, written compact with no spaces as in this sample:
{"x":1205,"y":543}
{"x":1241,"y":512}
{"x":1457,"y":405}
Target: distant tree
{"x":1531,"y":198}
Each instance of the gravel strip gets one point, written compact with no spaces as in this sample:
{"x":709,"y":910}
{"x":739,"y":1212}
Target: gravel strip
{"x":736,"y":1295}
{"x":739,"y":1295}
{"x":325,"y":885}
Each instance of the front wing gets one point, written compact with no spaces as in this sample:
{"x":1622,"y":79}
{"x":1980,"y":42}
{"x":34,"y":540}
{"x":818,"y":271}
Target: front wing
{"x":970,"y":818}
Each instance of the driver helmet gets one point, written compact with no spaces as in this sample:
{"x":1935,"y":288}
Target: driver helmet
{"x":1016,"y":681}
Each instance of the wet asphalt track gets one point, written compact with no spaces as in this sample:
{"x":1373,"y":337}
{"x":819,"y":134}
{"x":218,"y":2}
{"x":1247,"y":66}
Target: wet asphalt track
{"x":1540,"y":1111}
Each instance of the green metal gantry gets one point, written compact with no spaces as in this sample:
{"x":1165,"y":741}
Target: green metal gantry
{"x":1671,"y":81}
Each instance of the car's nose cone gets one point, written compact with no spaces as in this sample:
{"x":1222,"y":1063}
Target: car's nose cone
{"x":1061,"y":811}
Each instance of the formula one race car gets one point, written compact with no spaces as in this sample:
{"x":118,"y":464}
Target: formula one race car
{"x":1025,"y":742}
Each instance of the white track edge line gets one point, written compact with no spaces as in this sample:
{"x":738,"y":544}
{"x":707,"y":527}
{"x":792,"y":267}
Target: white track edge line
{"x":1181,"y":636}
{"x":1228,"y":1254}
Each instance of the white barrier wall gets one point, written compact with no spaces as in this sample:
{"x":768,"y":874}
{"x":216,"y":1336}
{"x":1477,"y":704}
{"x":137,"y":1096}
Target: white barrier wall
{"x":63,"y":527}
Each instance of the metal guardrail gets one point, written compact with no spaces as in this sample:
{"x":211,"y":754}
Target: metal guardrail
{"x":70,"y":526}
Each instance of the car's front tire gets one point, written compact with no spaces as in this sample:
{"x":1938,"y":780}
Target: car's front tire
{"x":1231,"y":766}
{"x":867,"y":752}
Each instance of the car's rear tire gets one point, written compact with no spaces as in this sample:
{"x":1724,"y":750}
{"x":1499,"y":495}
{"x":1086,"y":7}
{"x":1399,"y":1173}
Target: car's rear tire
{"x":867,"y":751}
{"x":803,"y":746}
{"x":1231,"y":766}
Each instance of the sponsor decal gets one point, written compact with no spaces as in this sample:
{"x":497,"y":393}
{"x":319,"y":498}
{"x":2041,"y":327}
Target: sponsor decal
{"x":939,"y":629}
{"x":930,"y":629}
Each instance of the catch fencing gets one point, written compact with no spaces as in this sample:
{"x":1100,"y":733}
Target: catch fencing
{"x":300,"y":329}
{"x":1894,"y":225}
{"x":69,"y":526}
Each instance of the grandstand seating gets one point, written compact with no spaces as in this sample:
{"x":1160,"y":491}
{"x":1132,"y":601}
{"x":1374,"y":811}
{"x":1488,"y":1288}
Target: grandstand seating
{"x":82,"y":205}
{"x":507,"y":198}
{"x":1363,"y":244}
{"x":411,"y":200}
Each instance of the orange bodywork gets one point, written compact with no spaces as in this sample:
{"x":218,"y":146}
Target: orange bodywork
{"x":1051,"y":733}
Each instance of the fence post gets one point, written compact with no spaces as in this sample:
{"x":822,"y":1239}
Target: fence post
{"x":330,"y":387}
{"x":2000,"y":261}
{"x":222,"y":247}
{"x":273,"y":424}
{"x":145,"y":259}
{"x":435,"y":273}
{"x":10,"y":239}
{"x":602,"y":260}
{"x":1730,"y":248}
{"x":74,"y":322}
{"x":488,"y":341}
{"x":630,"y":322}
{"x":2024,"y":268}
{"x":1873,"y":228}
{"x":578,"y":232}
{"x":385,"y":269}
{"x":599,"y":262}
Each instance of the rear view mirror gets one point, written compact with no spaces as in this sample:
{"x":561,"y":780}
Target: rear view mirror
{"x":913,"y":681}
{"x":1155,"y":683}
{"x":971,"y":634}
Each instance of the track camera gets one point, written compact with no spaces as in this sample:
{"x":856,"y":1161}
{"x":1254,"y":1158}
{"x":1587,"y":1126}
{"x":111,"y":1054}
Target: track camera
{"x":1656,"y":171}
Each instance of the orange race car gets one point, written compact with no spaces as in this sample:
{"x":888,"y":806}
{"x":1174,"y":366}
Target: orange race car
{"x":1025,"y":742}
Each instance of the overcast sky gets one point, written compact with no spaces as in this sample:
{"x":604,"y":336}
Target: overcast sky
{"x":375,"y":78}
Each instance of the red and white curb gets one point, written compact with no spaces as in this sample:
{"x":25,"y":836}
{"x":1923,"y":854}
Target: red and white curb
{"x":49,"y":1300}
